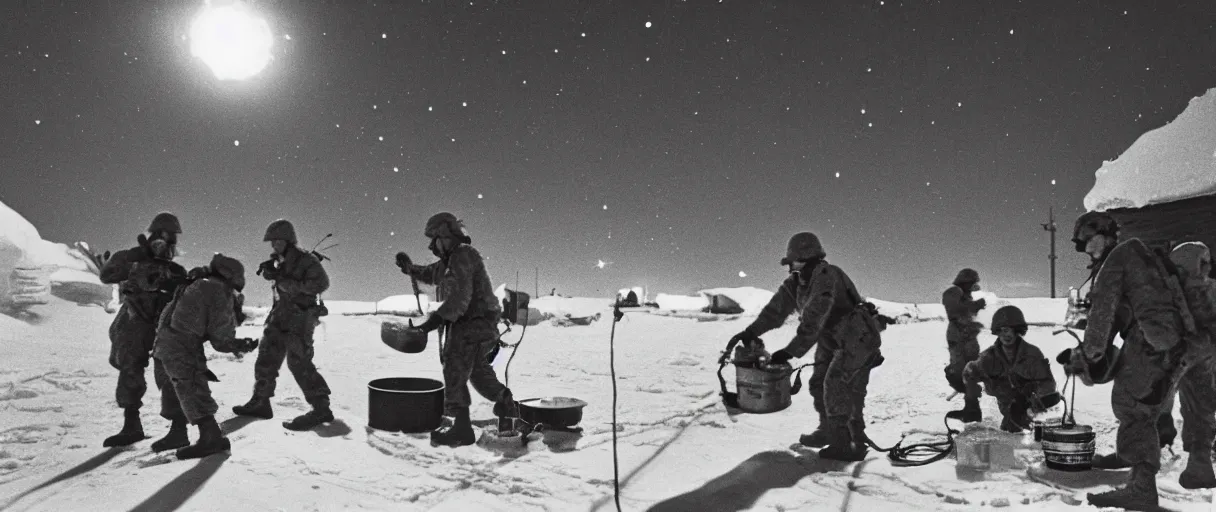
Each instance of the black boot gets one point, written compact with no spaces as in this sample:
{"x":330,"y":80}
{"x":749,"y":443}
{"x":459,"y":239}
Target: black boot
{"x":211,"y":440}
{"x":319,"y":414}
{"x":176,"y":438}
{"x":820,"y":437}
{"x":1166,"y":431}
{"x":970,"y":413}
{"x":458,"y":433}
{"x":1140,"y":493}
{"x":506,"y":406}
{"x":848,"y":442}
{"x":132,"y":430}
{"x":1198,"y":473}
{"x":258,"y":407}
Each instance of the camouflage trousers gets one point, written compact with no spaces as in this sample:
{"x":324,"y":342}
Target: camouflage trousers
{"x":131,"y":342}
{"x":469,"y":342}
{"x":838,"y":383}
{"x":185,"y":392}
{"x":296,"y":346}
{"x":962,"y":342}
{"x":1197,"y":394}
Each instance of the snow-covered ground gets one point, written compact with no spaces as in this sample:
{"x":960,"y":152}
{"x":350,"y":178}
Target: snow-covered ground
{"x":680,"y":449}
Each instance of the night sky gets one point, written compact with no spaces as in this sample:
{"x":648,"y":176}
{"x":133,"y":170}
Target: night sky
{"x":679,"y":142}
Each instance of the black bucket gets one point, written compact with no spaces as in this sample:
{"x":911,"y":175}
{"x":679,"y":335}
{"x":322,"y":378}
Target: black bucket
{"x":404,"y":404}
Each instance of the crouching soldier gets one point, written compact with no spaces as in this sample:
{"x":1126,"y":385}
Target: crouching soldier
{"x":208,"y":309}
{"x":147,"y":278}
{"x":835,"y":321}
{"x":298,"y":279}
{"x":470,"y":311}
{"x":1013,"y":371}
{"x":962,"y":331}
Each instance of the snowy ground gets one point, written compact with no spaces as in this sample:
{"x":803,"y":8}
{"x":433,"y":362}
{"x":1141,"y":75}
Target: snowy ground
{"x":680,"y":449}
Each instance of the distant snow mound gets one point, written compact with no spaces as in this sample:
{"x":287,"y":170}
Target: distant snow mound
{"x":750,"y":298}
{"x":681,"y":302}
{"x":1173,"y":162}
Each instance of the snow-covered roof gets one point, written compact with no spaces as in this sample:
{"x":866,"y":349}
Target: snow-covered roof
{"x":1173,"y":162}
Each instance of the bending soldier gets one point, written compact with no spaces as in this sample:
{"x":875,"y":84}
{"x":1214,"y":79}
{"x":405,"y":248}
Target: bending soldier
{"x":835,"y":321}
{"x":207,"y":309}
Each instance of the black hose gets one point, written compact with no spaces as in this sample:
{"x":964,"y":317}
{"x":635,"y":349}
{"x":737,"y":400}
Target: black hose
{"x":506,"y":371}
{"x":919,"y":454}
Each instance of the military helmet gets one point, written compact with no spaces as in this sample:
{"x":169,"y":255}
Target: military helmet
{"x":967,"y":275}
{"x":802,"y":247}
{"x":165,"y":221}
{"x":280,"y":230}
{"x":446,"y":225}
{"x":1009,"y":316}
{"x":1091,"y":224}
{"x":230,"y":269}
{"x":1192,"y":258}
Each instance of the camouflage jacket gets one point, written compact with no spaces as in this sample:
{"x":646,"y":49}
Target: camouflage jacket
{"x":1135,"y":296}
{"x":462,"y":284}
{"x":146,"y":284}
{"x":822,"y":301}
{"x":203,"y":311}
{"x":300,"y":278}
{"x":960,"y":308}
{"x":1026,"y":374}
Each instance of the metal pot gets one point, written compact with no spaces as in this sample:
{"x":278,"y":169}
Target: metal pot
{"x":403,"y":338}
{"x":553,"y":411}
{"x":404,"y":404}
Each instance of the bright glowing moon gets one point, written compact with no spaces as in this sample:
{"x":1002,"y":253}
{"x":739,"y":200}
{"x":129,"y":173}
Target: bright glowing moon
{"x":232,"y":40}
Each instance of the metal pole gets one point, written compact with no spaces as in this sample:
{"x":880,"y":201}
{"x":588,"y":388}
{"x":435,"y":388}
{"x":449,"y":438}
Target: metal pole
{"x":1050,"y":226}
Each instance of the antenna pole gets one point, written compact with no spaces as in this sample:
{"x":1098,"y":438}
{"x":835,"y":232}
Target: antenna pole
{"x":1050,"y":226}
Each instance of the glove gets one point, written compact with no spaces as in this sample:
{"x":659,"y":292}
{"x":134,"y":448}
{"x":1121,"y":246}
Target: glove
{"x":197,"y":273}
{"x":1047,"y":402}
{"x":403,"y":261}
{"x":432,"y":322}
{"x":780,"y":357}
{"x":1064,"y":357}
{"x":981,"y":304}
{"x":746,"y":337}
{"x":267,"y":270}
{"x":246,"y":345}
{"x":142,"y":240}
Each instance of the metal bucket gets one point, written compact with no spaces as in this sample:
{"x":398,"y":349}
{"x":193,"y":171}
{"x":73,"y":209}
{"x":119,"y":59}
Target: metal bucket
{"x":1068,"y":448}
{"x":763,"y":390}
{"x":404,"y":404}
{"x":403,"y":338}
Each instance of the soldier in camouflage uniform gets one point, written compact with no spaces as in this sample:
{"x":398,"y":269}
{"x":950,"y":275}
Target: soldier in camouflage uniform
{"x":298,"y":279}
{"x":1195,"y":391}
{"x":147,"y":278}
{"x":207,"y":309}
{"x":834,"y":320}
{"x":470,"y":313}
{"x":1136,"y":294}
{"x":962,"y":335}
{"x":1013,"y":371}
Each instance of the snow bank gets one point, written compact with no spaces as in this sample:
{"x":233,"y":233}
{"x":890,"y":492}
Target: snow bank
{"x":750,"y":298}
{"x":1173,"y":162}
{"x":396,"y":304}
{"x":1038,"y":311}
{"x":681,"y":302}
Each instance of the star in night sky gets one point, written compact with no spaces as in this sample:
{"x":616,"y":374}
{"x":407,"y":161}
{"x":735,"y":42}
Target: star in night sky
{"x":682,"y":141}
